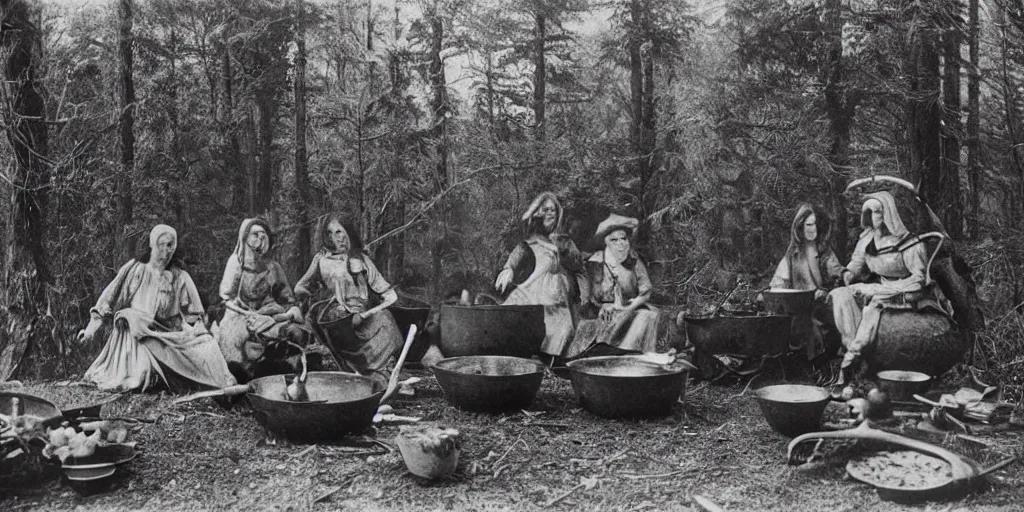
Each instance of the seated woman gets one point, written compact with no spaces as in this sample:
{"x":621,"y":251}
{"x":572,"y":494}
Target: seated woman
{"x":155,"y":312}
{"x":261,"y":316}
{"x":886,"y":251}
{"x":618,"y":318}
{"x":809,"y":264}
{"x":547,"y":259}
{"x":368,"y":343}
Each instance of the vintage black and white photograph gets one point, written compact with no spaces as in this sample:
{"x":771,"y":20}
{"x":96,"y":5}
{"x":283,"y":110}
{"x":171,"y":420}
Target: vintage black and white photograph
{"x":504,"y":255}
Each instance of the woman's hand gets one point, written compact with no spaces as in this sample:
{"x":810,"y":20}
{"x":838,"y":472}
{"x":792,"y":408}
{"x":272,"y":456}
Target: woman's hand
{"x":607,"y":311}
{"x":847,"y":277}
{"x":820,"y":294}
{"x":86,"y":335}
{"x":357,"y":318}
{"x":503,"y":280}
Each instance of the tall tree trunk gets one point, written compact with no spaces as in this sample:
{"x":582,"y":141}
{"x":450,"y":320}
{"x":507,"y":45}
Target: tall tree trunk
{"x":539,"y":75}
{"x":439,"y":105}
{"x":174,"y":121}
{"x":266,"y":106}
{"x":636,"y":77}
{"x":301,"y":173}
{"x":925,"y":117}
{"x":973,"y":121}
{"x":648,"y":130}
{"x":126,"y":125}
{"x":840,"y":109}
{"x":950,"y":202}
{"x":229,"y":128}
{"x":26,"y":270}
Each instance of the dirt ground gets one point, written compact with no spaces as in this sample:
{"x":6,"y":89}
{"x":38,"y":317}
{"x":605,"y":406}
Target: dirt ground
{"x":553,"y":456}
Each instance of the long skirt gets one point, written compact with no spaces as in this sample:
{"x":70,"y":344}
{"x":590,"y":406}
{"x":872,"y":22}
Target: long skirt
{"x":136,"y":353}
{"x":243,"y":347}
{"x":635,"y":331}
{"x":369,"y":348}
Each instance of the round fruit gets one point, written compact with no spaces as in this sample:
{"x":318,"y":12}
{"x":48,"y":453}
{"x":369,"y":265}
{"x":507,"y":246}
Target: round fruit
{"x":847,"y":393}
{"x":880,"y":403}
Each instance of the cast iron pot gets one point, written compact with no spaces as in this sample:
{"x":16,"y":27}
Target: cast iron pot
{"x":489,"y":383}
{"x":339,"y":403}
{"x":628,"y":386}
{"x":516,"y":331}
{"x":920,"y":341}
{"x":418,"y":316}
{"x":740,"y":334}
{"x":792,"y":409}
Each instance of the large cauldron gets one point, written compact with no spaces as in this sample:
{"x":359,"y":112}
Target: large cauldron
{"x":627,"y":386}
{"x":740,"y":334}
{"x":489,"y":383}
{"x":516,"y":331}
{"x":339,"y":403}
{"x":925,"y":342}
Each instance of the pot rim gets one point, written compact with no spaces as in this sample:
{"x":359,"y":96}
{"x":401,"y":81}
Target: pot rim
{"x":538,"y":367}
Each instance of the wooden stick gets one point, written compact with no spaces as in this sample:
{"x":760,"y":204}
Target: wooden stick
{"x":235,"y":390}
{"x":393,"y":381}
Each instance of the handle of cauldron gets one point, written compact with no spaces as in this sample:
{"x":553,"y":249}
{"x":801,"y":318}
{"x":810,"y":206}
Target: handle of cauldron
{"x":235,"y":390}
{"x":393,"y":381}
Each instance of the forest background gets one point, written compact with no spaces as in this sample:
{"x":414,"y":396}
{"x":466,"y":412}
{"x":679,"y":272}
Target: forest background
{"x":433,"y":123}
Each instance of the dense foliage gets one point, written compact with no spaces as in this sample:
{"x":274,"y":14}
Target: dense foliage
{"x":430,"y":124}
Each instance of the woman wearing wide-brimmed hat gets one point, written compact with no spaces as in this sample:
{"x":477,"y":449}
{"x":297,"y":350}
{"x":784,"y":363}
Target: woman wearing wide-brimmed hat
{"x":616,"y":312}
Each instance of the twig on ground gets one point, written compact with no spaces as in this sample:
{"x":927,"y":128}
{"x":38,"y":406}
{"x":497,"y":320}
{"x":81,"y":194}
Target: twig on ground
{"x":327,"y":494}
{"x":659,"y":475}
{"x":563,"y":496}
{"x":707,"y":504}
{"x":546,"y":424}
{"x":303,"y":452}
{"x":509,"y":450}
{"x":613,"y":458}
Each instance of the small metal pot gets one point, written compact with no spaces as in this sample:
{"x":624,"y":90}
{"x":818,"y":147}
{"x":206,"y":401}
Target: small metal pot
{"x":792,"y":409}
{"x":902,"y":385}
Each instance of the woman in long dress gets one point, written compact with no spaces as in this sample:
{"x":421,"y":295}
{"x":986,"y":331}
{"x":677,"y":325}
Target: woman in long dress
{"x":155,"y":313}
{"x":810,"y":264}
{"x":549,"y":259}
{"x":363,"y":339}
{"x":886,"y":250}
{"x":261,"y":314}
{"x":617,"y":316}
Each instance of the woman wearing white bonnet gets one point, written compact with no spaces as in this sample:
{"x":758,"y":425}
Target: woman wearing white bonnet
{"x":154,"y":315}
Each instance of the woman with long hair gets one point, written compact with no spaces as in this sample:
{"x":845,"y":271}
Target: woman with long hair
{"x":545,"y":264}
{"x":363,"y":338}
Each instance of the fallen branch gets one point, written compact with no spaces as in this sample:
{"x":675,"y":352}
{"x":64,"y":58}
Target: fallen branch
{"x":304,"y":452}
{"x":659,"y":475}
{"x":327,"y":494}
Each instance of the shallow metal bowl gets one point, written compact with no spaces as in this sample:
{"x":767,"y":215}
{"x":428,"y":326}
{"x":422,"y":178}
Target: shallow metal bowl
{"x":31,"y":405}
{"x":489,"y":383}
{"x":792,"y":409}
{"x":627,"y":386}
{"x":902,"y":385}
{"x":339,"y":403}
{"x":516,"y":331}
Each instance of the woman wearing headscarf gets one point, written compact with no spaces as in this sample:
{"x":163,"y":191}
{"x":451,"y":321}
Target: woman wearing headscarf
{"x":156,"y":316}
{"x":546,"y":264}
{"x":618,"y":317}
{"x":809,"y":264}
{"x":363,"y":339}
{"x":261,"y":315}
{"x":899,"y":261}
